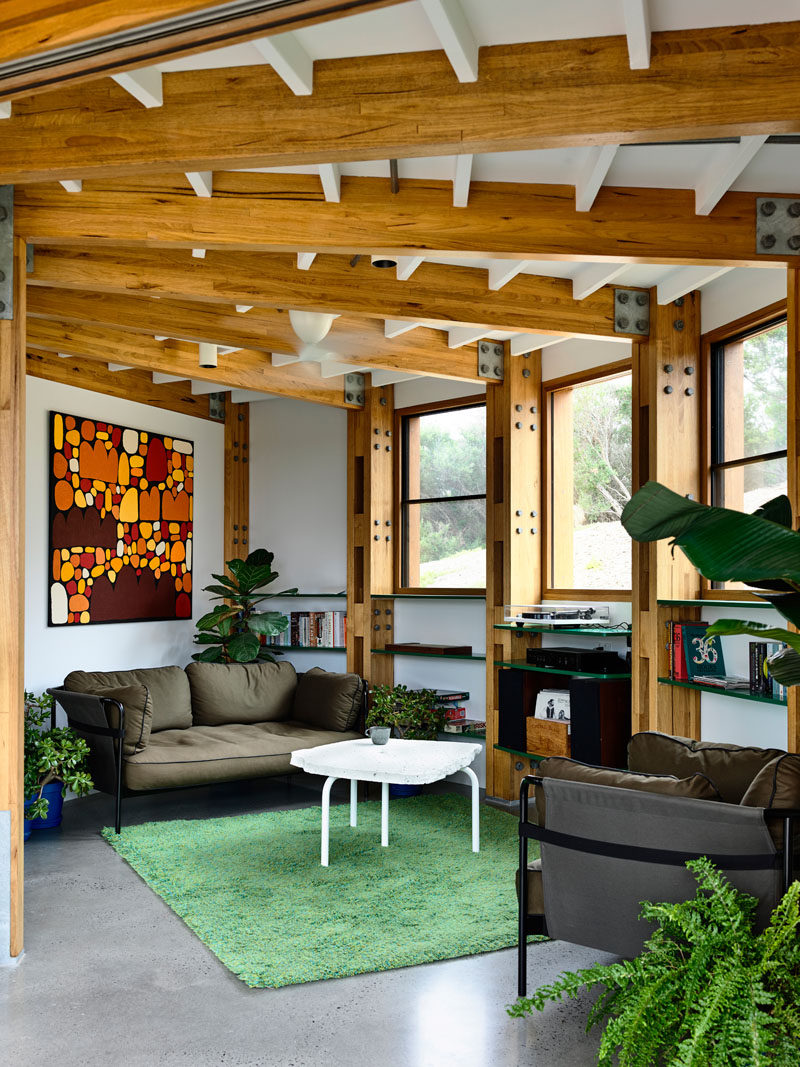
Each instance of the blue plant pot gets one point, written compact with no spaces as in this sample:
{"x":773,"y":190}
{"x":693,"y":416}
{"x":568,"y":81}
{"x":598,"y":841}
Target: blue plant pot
{"x":55,"y":802}
{"x":28,"y":827}
{"x":397,"y":790}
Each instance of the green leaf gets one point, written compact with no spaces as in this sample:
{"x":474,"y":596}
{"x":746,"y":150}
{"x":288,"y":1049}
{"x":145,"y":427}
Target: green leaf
{"x":223,"y":579}
{"x":221,"y":591}
{"x":269,"y":652}
{"x":779,"y":510}
{"x":260,"y":557}
{"x":784,"y":666}
{"x":214,"y":617}
{"x":236,"y":566}
{"x":762,"y":630}
{"x":724,"y":545}
{"x":209,"y":655}
{"x":206,"y":639}
{"x":243,"y":648}
{"x":268,"y":623}
{"x":788,"y":604}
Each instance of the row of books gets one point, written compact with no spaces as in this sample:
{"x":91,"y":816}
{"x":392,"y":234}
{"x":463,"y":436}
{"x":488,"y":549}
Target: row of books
{"x":314,"y":629}
{"x":695,"y":656}
{"x":760,"y":681}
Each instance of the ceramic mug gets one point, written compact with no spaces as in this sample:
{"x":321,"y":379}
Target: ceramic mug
{"x":379,"y":734}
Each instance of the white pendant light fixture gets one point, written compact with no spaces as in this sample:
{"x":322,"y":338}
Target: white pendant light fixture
{"x":311,"y":326}
{"x":208,"y":354}
{"x":383,"y":262}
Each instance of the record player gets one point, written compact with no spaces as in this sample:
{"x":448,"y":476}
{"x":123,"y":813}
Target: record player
{"x":557,"y":614}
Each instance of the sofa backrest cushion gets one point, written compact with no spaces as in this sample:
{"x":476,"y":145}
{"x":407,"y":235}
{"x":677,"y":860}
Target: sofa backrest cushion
{"x":328,"y":700}
{"x":241,"y":692}
{"x":776,"y":786}
{"x":138,"y":712}
{"x":168,"y":688}
{"x":730,"y":767}
{"x":695,"y":786}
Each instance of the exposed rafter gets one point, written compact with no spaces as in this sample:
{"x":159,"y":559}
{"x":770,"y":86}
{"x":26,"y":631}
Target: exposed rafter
{"x":637,"y":32}
{"x":5,"y":109}
{"x":145,"y":85}
{"x":395,"y":327}
{"x":593,"y":174}
{"x":244,"y":308}
{"x":455,"y":35}
{"x":406,"y":265}
{"x":159,"y":378}
{"x":530,"y":342}
{"x":305,"y":259}
{"x":501,"y":272}
{"x":683,"y":280}
{"x":201,"y":181}
{"x":74,"y":185}
{"x":461,"y":180}
{"x":458,"y":336}
{"x":289,"y":60}
{"x":594,"y":276}
{"x":728,"y":164}
{"x":331,"y":179}
{"x":198,"y":253}
{"x":115,"y":368}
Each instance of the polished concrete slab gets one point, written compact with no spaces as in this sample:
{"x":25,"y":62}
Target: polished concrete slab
{"x":112,"y":976}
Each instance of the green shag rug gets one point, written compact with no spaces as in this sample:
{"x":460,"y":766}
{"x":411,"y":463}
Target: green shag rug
{"x":252,"y":888}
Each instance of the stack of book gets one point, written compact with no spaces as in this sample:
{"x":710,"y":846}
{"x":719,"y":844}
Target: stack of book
{"x":760,"y":682}
{"x":694,"y":656}
{"x":313,"y":629}
{"x":456,"y":721}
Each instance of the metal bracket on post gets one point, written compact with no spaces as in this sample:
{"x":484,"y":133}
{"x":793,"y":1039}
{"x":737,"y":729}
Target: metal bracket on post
{"x":6,"y":251}
{"x":631,"y":311}
{"x":354,"y":389}
{"x":490,"y":360}
{"x":216,"y":406}
{"x":777,"y":225}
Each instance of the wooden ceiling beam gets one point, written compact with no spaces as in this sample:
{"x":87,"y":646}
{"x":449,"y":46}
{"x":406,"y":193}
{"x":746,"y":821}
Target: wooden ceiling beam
{"x":241,"y":370}
{"x":717,"y":82}
{"x":445,"y":294}
{"x":359,"y":341}
{"x":288,"y":213}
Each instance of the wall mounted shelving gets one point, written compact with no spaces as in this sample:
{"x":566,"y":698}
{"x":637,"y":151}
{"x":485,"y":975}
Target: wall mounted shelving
{"x":740,"y":694}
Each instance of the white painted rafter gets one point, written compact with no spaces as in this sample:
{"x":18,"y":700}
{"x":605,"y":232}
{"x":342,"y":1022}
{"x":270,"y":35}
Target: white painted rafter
{"x":160,"y":337}
{"x":532,"y":342}
{"x":406,"y":265}
{"x":330,"y":368}
{"x":684,"y":280}
{"x":289,"y":60}
{"x":728,"y":163}
{"x":203,"y":388}
{"x":598,"y":161}
{"x":594,"y":276}
{"x":5,"y":109}
{"x":394,"y":327}
{"x":637,"y":30}
{"x":115,"y":367}
{"x":283,"y":359}
{"x":198,"y":253}
{"x":455,"y":36}
{"x":144,"y":85}
{"x":244,"y":308}
{"x":72,"y":185}
{"x":202,"y":181}
{"x":391,"y":377}
{"x":305,"y":259}
{"x":461,"y":180}
{"x":458,"y":336}
{"x":331,"y":178}
{"x":503,"y":270}
{"x":248,"y":396}
{"x":159,"y":378}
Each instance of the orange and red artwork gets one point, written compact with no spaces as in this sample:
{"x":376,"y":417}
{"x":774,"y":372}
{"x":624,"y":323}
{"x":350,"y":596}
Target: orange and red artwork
{"x":120,"y":523}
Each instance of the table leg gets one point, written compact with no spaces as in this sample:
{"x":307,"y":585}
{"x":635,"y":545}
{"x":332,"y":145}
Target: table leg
{"x":354,"y":802}
{"x":476,"y":825}
{"x":326,"y":819}
{"x":384,"y":814}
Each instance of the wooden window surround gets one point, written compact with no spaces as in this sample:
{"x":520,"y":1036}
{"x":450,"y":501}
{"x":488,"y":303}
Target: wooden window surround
{"x":406,"y":481}
{"x":557,"y":424}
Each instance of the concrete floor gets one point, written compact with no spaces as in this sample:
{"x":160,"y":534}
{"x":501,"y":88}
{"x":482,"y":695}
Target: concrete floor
{"x":111,"y":976}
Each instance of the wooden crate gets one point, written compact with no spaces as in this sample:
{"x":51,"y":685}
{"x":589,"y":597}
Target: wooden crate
{"x":547,"y":738}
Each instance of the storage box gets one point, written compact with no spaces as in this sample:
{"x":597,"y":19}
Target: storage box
{"x":547,"y":737}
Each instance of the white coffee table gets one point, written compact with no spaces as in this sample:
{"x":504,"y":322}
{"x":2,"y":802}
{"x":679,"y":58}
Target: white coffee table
{"x":399,"y":762}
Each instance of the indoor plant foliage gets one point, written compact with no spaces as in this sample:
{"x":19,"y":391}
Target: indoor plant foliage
{"x":705,"y":991}
{"x":761,"y":550}
{"x":233,"y":630}
{"x":412,"y":713}
{"x":54,"y":755}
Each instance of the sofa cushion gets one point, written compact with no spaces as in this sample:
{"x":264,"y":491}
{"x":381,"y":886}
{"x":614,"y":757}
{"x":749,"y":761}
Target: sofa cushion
{"x":168,"y":688}
{"x":535,"y":889}
{"x":327,"y":700}
{"x":241,"y":692}
{"x":206,"y":754}
{"x":730,"y":767}
{"x":696,"y":786}
{"x":138,"y":708}
{"x":776,"y":786}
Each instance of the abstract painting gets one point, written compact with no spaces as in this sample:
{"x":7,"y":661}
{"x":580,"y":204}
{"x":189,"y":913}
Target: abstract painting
{"x":120,"y":523}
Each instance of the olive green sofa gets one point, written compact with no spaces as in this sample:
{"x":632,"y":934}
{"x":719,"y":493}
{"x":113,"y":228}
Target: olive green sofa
{"x":160,"y":728}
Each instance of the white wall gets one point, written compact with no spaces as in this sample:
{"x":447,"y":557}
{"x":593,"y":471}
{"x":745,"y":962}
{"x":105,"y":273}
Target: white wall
{"x":52,"y":652}
{"x":739,"y":293}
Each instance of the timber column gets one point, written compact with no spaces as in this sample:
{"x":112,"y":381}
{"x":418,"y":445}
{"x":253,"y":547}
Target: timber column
{"x":371,"y":533}
{"x":12,"y":574}
{"x":237,"y":480}
{"x":793,"y":458}
{"x":513,"y":533}
{"x":666,"y":448}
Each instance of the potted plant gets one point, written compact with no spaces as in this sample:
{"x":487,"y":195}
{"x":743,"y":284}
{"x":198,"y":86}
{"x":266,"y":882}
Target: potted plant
{"x":760,"y":550}
{"x":56,"y":759}
{"x":705,"y":990}
{"x":233,"y":630}
{"x":412,"y":714}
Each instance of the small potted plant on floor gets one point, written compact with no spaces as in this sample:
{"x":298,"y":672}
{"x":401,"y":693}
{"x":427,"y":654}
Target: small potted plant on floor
{"x":55,"y":760}
{"x":412,"y":714}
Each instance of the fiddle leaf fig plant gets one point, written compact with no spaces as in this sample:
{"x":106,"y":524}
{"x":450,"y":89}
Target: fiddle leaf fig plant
{"x":760,"y":550}
{"x":54,"y":755}
{"x":232,"y":630}
{"x":412,"y":713}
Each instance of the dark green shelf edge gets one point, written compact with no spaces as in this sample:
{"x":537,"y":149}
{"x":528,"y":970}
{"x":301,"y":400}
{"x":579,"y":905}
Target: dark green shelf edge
{"x":516,"y":752}
{"x":723,"y":604}
{"x":428,"y":596}
{"x":424,"y":655}
{"x":309,"y":648}
{"x":521,"y":665}
{"x":311,"y":596}
{"x":741,"y":694}
{"x":467,"y":733}
{"x":588,"y":632}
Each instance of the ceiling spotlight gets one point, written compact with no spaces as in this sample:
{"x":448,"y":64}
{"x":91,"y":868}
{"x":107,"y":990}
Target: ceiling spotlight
{"x":311,"y":326}
{"x":383,"y":261}
{"x":208,"y":354}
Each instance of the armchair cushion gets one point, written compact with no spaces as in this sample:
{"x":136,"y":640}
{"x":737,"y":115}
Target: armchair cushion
{"x":224,"y":693}
{"x":327,"y":700}
{"x":138,"y":707}
{"x":168,"y":688}
{"x":730,"y":767}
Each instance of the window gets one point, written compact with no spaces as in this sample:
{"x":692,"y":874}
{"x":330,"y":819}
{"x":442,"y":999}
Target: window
{"x":588,"y":482}
{"x":443,"y":498}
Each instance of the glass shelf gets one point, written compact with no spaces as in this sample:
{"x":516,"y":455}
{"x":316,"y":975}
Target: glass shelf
{"x":312,"y":596}
{"x":725,"y":604}
{"x":424,"y":655}
{"x":740,"y":694}
{"x":428,"y":596}
{"x":521,"y":665}
{"x":516,"y":752}
{"x":587,"y":631}
{"x":309,"y":648}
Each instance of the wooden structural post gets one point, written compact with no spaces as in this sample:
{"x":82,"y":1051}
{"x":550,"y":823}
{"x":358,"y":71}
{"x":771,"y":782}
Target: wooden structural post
{"x":666,"y":448}
{"x":793,"y":458}
{"x":513,"y":534}
{"x":237,"y":480}
{"x":12,"y":575}
{"x":370,"y":535}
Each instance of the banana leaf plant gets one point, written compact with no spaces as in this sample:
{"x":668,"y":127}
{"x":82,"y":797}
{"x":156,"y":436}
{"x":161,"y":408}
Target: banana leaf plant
{"x":232,"y":631}
{"x":760,"y":550}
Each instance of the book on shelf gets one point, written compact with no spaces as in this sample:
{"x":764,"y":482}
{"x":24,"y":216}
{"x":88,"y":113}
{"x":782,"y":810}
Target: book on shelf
{"x":778,"y":690}
{"x":722,"y":681}
{"x":676,"y":646}
{"x":456,"y":713}
{"x":429,"y":649}
{"x":700,"y":653}
{"x":313,"y":629}
{"x":760,"y":681}
{"x":465,"y":726}
{"x":450,"y":696}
